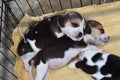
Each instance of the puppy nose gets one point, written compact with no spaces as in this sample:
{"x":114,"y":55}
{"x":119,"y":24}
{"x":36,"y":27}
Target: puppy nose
{"x":80,"y":34}
{"x":106,"y":38}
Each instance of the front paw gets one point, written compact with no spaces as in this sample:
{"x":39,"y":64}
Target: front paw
{"x":27,"y":67}
{"x":72,"y":64}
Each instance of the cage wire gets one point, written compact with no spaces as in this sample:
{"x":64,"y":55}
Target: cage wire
{"x":12,"y":11}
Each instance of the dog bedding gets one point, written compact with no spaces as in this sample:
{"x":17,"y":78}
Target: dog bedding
{"x":107,"y":14}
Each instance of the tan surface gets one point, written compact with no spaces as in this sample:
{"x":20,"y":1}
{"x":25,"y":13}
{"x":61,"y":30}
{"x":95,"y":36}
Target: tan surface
{"x":108,"y":15}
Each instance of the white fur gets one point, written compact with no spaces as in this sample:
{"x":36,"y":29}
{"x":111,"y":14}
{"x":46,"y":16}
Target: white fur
{"x":69,"y":54}
{"x":59,"y":35}
{"x":72,"y":64}
{"x":41,"y":70}
{"x":28,"y":56}
{"x":30,"y":72}
{"x":99,"y":76}
{"x":100,"y":41}
{"x":88,"y":54}
{"x":101,"y":63}
{"x":72,"y":32}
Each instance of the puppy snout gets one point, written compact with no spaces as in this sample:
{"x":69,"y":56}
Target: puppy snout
{"x":79,"y":34}
{"x":106,"y":38}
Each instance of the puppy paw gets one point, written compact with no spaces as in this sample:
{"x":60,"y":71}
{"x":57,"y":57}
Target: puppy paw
{"x":27,"y":67}
{"x":72,"y":64}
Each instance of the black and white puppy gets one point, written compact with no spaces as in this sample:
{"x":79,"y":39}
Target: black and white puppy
{"x":47,"y":31}
{"x":62,"y":50}
{"x":100,"y":65}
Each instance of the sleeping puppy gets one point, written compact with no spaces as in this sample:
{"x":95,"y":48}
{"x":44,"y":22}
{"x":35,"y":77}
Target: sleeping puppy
{"x":97,"y":35}
{"x":100,"y":65}
{"x":47,"y":31}
{"x":62,"y":50}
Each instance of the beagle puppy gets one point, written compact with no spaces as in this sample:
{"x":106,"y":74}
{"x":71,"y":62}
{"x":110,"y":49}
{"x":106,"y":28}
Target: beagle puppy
{"x":43,"y":33}
{"x":62,"y":50}
{"x":100,"y":65}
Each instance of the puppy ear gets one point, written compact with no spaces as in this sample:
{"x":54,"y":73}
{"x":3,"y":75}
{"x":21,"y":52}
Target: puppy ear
{"x":61,"y":21}
{"x":87,"y":29}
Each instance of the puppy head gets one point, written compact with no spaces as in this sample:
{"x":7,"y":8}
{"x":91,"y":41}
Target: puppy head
{"x":96,"y":33}
{"x":72,"y":24}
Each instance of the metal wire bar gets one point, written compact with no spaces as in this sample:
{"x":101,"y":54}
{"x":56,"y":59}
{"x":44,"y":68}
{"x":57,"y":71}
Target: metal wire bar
{"x":1,"y":78}
{"x":1,"y":12}
{"x":12,"y":14}
{"x":14,"y":17}
{"x":81,"y":3}
{"x":91,"y":2}
{"x":7,"y":58}
{"x":6,"y":19}
{"x":41,"y":7}
{"x":19,"y":7}
{"x":7,"y":37}
{"x":30,"y":7}
{"x":11,"y":22}
{"x":8,"y":71}
{"x":1,"y":19}
{"x":9,"y":19}
{"x":51,"y":5}
{"x":8,"y":48}
{"x":60,"y":4}
{"x":71,"y":4}
{"x":6,"y":25}
{"x":99,"y":2}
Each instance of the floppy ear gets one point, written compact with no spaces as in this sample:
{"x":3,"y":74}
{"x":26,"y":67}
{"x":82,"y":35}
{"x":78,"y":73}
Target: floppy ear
{"x":87,"y":29}
{"x":61,"y":21}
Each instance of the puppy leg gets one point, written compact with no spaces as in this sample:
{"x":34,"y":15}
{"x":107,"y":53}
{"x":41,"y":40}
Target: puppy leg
{"x":72,"y":64}
{"x":80,"y":57}
{"x":28,"y":56}
{"x":46,"y":75}
{"x":31,"y":70}
{"x":41,"y":70}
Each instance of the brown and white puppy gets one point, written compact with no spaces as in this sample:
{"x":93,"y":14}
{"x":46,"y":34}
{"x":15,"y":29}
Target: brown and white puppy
{"x":97,"y":35}
{"x":61,"y":51}
{"x":94,"y":61}
{"x":43,"y":33}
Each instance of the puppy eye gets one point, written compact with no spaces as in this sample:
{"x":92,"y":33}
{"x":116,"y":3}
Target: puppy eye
{"x":74,"y":25}
{"x":102,"y":30}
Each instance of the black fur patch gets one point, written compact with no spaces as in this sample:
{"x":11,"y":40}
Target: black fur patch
{"x":86,"y":68}
{"x":24,"y":48}
{"x":102,"y":31}
{"x":87,"y":29}
{"x":115,"y":78}
{"x":96,"y":57}
{"x":112,"y":66}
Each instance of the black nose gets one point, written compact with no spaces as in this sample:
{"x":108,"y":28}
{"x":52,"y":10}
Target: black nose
{"x":108,"y":37}
{"x":80,"y":34}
